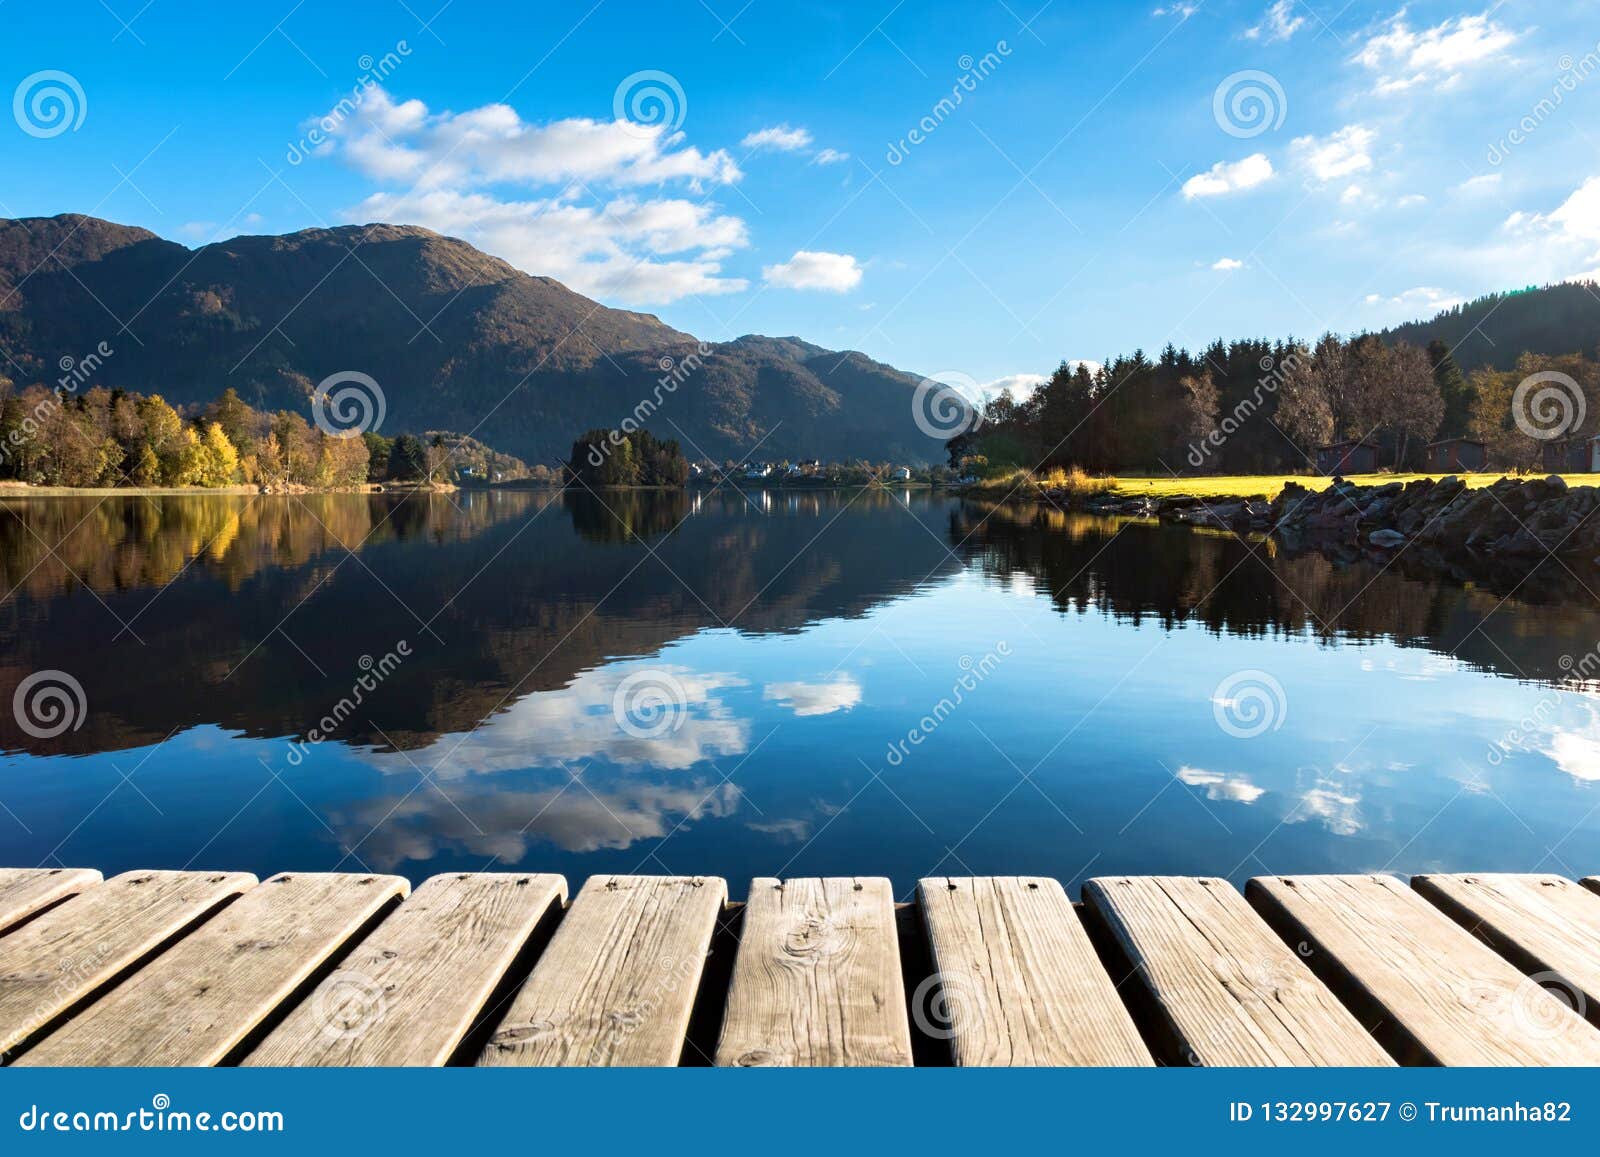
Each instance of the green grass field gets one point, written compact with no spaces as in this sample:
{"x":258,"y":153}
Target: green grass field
{"x":1268,"y":485}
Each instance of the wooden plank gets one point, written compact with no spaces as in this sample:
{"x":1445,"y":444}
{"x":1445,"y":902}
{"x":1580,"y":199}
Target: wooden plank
{"x":1433,"y":994}
{"x":1547,"y":926}
{"x":1019,"y":982}
{"x":24,"y":891}
{"x":58,"y":960}
{"x":618,"y":981}
{"x":1223,"y":988}
{"x":817,"y":977}
{"x":201,"y":998}
{"x":410,"y":992}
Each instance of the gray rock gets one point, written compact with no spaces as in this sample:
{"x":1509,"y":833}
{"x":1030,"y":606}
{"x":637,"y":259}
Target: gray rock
{"x":1386,"y":539}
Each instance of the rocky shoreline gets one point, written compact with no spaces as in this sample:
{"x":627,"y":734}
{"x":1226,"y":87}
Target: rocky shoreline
{"x":1511,"y":519}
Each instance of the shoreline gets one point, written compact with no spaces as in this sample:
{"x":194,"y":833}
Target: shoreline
{"x":12,"y":490}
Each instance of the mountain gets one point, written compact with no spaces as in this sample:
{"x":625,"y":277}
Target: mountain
{"x":1495,"y":330}
{"x":455,"y":338}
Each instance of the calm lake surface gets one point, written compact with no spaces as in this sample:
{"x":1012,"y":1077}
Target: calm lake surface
{"x":784,"y":683}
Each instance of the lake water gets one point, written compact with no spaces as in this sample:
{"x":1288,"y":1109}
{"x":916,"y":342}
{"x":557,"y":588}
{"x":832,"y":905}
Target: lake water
{"x":781,"y":683}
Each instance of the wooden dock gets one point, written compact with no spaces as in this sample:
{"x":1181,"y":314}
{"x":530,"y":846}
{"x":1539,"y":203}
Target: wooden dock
{"x":214,"y":968}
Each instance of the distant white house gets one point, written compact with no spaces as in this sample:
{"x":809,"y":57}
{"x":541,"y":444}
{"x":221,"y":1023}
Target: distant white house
{"x":760,"y":470}
{"x":902,"y":474}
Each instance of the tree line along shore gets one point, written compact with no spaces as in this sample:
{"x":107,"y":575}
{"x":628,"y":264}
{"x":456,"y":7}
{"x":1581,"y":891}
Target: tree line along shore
{"x":55,"y":440}
{"x":1258,"y":407}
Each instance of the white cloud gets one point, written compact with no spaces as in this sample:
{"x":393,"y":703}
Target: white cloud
{"x":1328,"y":158}
{"x":1224,"y":177}
{"x":404,"y":141}
{"x":1479,"y":184}
{"x":1019,"y":386}
{"x":1233,"y":788}
{"x":571,"y":224}
{"x":198,"y":229}
{"x":778,"y":138}
{"x":611,"y":251}
{"x":1226,"y":264}
{"x":1421,"y":301}
{"x":830,"y":157}
{"x":1411,"y":199}
{"x":1575,"y":752}
{"x":1402,"y":59}
{"x":1279,"y":23}
{"x":838,"y":694}
{"x":579,"y":723}
{"x":1182,"y":10}
{"x":808,"y":269}
{"x":1576,"y":220}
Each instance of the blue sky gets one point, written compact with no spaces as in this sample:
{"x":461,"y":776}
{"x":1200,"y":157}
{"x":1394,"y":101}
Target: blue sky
{"x":1112,"y":176}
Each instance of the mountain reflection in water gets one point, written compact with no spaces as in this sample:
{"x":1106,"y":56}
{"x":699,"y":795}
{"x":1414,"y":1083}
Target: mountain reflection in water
{"x":1423,"y":721}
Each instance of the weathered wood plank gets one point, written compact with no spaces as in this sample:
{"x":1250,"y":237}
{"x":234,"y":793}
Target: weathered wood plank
{"x":63,"y":957}
{"x":197,"y":1001}
{"x":1433,"y":994}
{"x":1547,"y":926}
{"x":1020,"y":983}
{"x":1223,"y":987}
{"x":409,"y":992}
{"x":24,"y":891}
{"x":617,"y":983}
{"x":817,"y":977}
